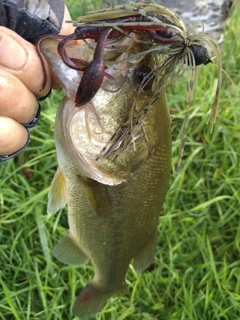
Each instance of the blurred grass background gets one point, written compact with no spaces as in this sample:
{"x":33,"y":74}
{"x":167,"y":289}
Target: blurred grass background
{"x":198,"y":255}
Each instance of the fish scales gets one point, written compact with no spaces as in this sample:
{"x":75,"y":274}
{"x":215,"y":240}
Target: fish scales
{"x":111,"y":241}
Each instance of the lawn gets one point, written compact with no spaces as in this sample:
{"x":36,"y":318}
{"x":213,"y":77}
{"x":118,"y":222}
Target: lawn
{"x":197,"y":262}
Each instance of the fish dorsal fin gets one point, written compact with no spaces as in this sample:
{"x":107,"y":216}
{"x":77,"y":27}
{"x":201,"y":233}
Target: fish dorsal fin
{"x":57,"y":196}
{"x":97,"y":196}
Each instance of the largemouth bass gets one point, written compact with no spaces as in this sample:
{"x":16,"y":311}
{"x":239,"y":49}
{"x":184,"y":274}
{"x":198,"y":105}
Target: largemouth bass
{"x":113,"y":202}
{"x":114,"y":151}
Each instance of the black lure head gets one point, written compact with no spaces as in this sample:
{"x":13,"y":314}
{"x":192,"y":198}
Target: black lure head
{"x":200,"y":54}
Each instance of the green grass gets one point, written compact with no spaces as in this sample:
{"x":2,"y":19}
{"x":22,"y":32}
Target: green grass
{"x":198,"y":255}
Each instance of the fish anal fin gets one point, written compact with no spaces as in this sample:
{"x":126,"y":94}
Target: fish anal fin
{"x":145,"y":255}
{"x":92,"y":299}
{"x":57,"y":196}
{"x":97,"y":196}
{"x":68,"y":251}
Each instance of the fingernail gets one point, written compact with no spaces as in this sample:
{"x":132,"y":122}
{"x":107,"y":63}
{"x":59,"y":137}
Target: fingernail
{"x":12,"y":54}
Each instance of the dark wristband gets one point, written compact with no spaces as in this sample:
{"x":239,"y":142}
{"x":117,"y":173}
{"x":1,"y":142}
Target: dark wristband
{"x":34,"y":120}
{"x":10,"y":156}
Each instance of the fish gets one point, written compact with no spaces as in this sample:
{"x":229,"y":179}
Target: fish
{"x":114,"y":154}
{"x":113,"y":203}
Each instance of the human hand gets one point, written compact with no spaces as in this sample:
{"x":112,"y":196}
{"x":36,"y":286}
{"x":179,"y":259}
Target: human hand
{"x":21,"y":80}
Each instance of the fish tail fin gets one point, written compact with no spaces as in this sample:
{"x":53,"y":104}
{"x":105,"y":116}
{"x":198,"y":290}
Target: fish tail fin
{"x":92,"y":299}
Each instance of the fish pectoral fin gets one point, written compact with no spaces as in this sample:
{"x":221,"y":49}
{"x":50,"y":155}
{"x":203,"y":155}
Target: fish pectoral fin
{"x":145,"y":255}
{"x":57,"y":196}
{"x":68,"y":251}
{"x":97,"y":196}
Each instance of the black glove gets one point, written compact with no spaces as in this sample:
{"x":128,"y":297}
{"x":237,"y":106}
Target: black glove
{"x":32,"y":18}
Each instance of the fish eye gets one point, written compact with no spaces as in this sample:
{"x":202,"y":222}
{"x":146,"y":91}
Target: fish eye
{"x":142,"y":78}
{"x":200,"y":54}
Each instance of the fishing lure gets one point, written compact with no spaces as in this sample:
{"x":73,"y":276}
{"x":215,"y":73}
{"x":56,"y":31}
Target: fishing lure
{"x":177,"y":50}
{"x":182,"y":56}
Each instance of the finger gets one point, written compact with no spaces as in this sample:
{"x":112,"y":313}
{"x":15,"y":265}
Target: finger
{"x":20,"y":58}
{"x":13,"y":136}
{"x":16,"y":101}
